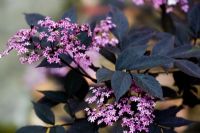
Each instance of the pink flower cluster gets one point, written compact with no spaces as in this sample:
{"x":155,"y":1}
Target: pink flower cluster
{"x":20,"y":42}
{"x":135,"y":112}
{"x":58,"y":38}
{"x":102,"y":36}
{"x":169,"y":3}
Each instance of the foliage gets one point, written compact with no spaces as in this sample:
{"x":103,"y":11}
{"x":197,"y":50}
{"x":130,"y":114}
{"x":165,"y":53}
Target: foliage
{"x":126,"y":95}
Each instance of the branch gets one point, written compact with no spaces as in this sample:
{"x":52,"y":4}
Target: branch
{"x":83,"y":73}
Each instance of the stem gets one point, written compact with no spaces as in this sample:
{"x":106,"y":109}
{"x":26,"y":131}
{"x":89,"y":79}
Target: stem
{"x":130,"y":74}
{"x":71,"y":112}
{"x":67,"y":124}
{"x":83,"y":74}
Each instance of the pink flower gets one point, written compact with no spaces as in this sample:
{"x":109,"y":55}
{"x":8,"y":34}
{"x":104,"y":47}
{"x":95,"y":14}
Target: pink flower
{"x":135,"y":112}
{"x":60,"y":37}
{"x":169,"y":4}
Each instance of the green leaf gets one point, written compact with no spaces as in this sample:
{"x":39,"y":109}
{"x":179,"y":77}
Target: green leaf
{"x":104,"y":74}
{"x":188,"y":67}
{"x":44,"y":113}
{"x":57,"y":129}
{"x":56,"y":96}
{"x":32,"y":129}
{"x":120,"y":83}
{"x":133,"y":62}
{"x":148,"y":84}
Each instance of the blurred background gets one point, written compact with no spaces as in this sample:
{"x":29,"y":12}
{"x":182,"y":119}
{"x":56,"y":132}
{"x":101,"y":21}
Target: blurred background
{"x":16,"y":80}
{"x":19,"y":82}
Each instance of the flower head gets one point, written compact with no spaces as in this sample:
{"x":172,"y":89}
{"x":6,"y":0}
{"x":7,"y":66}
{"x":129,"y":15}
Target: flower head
{"x":60,"y":37}
{"x":136,"y":113}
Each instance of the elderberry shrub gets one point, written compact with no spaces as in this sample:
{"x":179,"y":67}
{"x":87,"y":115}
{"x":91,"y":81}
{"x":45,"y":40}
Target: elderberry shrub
{"x":127,"y":95}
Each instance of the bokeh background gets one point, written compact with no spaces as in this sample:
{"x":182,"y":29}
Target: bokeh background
{"x":19,"y":82}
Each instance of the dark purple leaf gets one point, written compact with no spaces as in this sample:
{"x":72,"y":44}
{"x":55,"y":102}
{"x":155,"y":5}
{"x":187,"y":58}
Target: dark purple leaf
{"x":188,"y":67}
{"x":134,"y":62}
{"x":32,"y":129}
{"x":44,"y":113}
{"x":72,"y":14}
{"x":57,"y":129}
{"x":121,"y":22}
{"x":148,"y":84}
{"x":104,"y":74}
{"x":120,"y":83}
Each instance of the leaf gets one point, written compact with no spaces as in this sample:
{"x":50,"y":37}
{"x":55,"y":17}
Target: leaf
{"x":133,"y":62}
{"x":75,"y":106}
{"x":165,"y":121}
{"x":167,"y":118}
{"x":48,"y":102}
{"x":33,"y":18}
{"x":75,"y":84}
{"x":183,"y":33}
{"x":185,"y":51}
{"x":175,"y":122}
{"x":154,"y":129}
{"x":194,"y":19}
{"x":121,"y":22}
{"x":165,"y":45}
{"x":120,"y":83}
{"x":82,"y":126}
{"x":148,"y":84}
{"x":138,"y":50}
{"x":128,"y":54}
{"x":108,"y":54}
{"x":57,"y":96}
{"x":188,"y":67}
{"x":72,"y":14}
{"x":169,"y":92}
{"x":157,"y":129}
{"x":167,"y":21}
{"x":65,"y":58}
{"x":32,"y":129}
{"x":84,"y":38}
{"x":136,"y":40}
{"x":46,"y":64}
{"x":104,"y":74}
{"x":95,"y":20}
{"x":57,"y":129}
{"x":44,"y":113}
{"x":137,"y":37}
